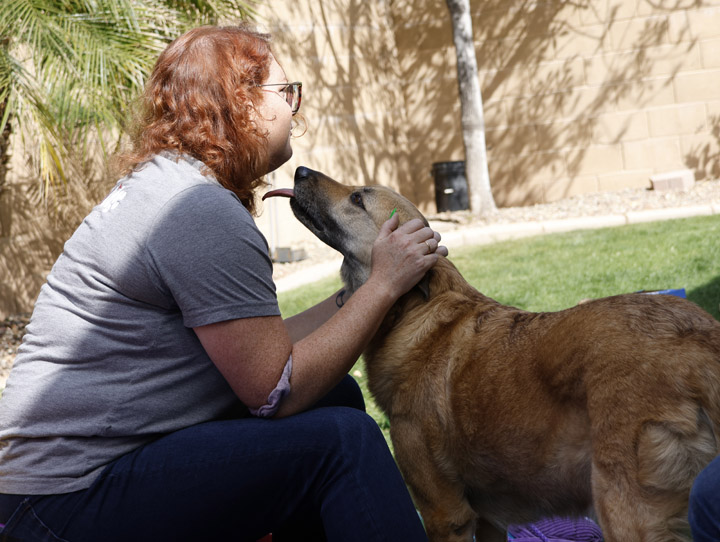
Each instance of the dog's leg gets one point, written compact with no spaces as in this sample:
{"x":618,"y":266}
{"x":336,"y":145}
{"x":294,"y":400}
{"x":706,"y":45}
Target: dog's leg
{"x":616,"y":505}
{"x":626,"y":512}
{"x":441,"y":501}
{"x":647,"y":500}
{"x":670,"y":455}
{"x":646,"y":454}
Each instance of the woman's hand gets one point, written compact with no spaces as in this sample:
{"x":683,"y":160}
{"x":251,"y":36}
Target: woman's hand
{"x":403,"y":254}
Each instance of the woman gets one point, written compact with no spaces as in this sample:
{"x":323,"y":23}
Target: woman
{"x":121,"y":419}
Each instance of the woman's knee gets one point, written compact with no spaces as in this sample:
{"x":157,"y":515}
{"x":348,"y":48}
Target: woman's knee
{"x":353,"y":432}
{"x":353,"y":423}
{"x":704,"y":505}
{"x":347,"y":393}
{"x":707,"y":483}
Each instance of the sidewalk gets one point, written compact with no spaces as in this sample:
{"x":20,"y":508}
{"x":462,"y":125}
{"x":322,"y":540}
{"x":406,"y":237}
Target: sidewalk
{"x":483,"y":235}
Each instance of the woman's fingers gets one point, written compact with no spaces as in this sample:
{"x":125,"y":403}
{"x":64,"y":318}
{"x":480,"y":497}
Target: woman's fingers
{"x":426,"y":238}
{"x":404,"y":253}
{"x":388,"y":227}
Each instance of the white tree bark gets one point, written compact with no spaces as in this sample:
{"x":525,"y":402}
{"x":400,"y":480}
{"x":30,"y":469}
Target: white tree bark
{"x":473,"y":122}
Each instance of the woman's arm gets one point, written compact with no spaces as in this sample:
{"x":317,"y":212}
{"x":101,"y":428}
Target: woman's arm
{"x":304,"y":323}
{"x":251,"y":353}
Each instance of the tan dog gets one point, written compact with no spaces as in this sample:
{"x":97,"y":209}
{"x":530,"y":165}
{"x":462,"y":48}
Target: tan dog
{"x":501,"y":416}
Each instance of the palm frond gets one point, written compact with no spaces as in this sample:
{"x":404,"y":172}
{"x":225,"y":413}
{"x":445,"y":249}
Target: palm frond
{"x":38,"y":129}
{"x":69,"y":68}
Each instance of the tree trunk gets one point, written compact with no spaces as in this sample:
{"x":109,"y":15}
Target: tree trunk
{"x":5,"y":205}
{"x":473,"y":121}
{"x":4,"y":155}
{"x":4,"y":145}
{"x":5,"y":131}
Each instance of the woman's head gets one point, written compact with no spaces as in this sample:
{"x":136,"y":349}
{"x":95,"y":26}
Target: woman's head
{"x":203,"y":99}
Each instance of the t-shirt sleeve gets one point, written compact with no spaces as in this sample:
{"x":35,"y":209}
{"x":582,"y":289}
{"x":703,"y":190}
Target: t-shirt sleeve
{"x":205,"y":250}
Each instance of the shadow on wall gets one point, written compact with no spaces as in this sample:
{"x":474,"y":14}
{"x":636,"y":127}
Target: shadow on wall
{"x":32,"y":236}
{"x":704,"y":158}
{"x":548,"y":84}
{"x":352,"y":98}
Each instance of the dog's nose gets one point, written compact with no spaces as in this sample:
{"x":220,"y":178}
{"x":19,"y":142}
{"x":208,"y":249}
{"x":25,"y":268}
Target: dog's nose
{"x":302,"y":173}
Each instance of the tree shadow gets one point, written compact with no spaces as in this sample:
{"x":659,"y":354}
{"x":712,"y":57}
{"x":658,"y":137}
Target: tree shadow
{"x":704,"y":158}
{"x":546,"y":101}
{"x":34,"y":236}
{"x":564,"y":84}
{"x":354,"y":107}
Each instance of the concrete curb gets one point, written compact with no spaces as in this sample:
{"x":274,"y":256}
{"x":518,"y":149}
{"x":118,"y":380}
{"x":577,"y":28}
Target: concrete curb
{"x":503,"y":232}
{"x":309,"y":275}
{"x":484,"y":235}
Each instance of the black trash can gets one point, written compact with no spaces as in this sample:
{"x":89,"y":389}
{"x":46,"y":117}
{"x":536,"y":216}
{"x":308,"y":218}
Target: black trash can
{"x":451,"y":193}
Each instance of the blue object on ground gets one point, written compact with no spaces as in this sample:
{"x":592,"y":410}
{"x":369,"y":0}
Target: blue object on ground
{"x":678,"y":292}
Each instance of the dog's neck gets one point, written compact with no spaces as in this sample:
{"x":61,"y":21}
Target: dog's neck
{"x":442,"y":278}
{"x":414,"y":318}
{"x":353,"y":273}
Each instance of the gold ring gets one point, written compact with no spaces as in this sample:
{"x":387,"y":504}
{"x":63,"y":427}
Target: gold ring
{"x":429,"y":247}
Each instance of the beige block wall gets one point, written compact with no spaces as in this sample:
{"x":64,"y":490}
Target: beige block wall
{"x":343,"y":52}
{"x":579,"y":97}
{"x":584,"y":96}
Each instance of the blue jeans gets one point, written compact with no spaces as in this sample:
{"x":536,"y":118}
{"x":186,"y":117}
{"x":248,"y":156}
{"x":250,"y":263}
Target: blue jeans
{"x":325,"y":474}
{"x":704,"y":509}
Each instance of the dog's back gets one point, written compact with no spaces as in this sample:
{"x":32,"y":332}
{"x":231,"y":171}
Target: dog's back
{"x":650,"y":367}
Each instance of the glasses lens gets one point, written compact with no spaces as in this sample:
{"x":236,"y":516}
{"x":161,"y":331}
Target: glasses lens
{"x":293,"y":94}
{"x":290,"y":94}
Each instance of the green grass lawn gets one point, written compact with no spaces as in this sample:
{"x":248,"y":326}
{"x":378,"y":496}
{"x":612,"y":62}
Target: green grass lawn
{"x":556,"y":271}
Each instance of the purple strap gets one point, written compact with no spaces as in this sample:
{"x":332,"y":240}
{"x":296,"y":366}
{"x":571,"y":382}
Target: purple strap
{"x":539,"y":533}
{"x":557,"y":530}
{"x":269,"y":409}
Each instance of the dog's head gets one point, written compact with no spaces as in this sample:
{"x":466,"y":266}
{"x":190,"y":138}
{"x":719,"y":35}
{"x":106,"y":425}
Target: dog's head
{"x":348,"y":218}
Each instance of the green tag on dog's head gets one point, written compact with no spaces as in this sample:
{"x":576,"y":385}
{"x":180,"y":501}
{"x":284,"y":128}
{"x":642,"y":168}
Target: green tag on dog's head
{"x":393,"y":212}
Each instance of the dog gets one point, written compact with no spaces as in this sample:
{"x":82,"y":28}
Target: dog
{"x":500,"y":416}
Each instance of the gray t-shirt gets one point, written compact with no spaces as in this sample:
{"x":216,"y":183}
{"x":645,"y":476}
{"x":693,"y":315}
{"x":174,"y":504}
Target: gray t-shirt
{"x":110,"y":360}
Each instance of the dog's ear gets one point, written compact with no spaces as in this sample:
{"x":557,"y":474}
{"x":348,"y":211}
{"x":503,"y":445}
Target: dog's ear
{"x":424,"y":286}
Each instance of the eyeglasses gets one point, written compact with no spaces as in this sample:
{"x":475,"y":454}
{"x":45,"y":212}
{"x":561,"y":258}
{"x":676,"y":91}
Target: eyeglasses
{"x":291,"y":91}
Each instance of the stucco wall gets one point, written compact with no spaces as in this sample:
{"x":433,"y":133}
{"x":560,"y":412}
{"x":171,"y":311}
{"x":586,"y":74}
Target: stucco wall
{"x":582,"y":96}
{"x":585,"y":96}
{"x":354,"y":126}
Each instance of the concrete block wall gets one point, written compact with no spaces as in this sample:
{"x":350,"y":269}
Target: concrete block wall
{"x":583,"y":96}
{"x":343,"y":51}
{"x":579,"y":97}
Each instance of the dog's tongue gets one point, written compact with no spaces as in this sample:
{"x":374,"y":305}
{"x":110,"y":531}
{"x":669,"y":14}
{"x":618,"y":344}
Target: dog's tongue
{"x":284,"y":192}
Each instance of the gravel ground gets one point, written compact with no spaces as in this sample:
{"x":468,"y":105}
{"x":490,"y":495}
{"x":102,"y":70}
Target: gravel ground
{"x":607,"y":203}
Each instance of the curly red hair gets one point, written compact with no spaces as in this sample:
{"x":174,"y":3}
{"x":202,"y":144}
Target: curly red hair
{"x":199,"y":100}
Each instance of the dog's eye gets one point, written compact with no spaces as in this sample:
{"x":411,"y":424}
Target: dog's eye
{"x":356,"y":198}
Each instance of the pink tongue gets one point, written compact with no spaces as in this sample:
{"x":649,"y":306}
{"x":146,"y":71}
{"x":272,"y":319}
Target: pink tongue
{"x":284,"y":192}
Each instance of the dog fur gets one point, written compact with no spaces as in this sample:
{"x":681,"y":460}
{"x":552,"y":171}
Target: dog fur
{"x":501,"y":416}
